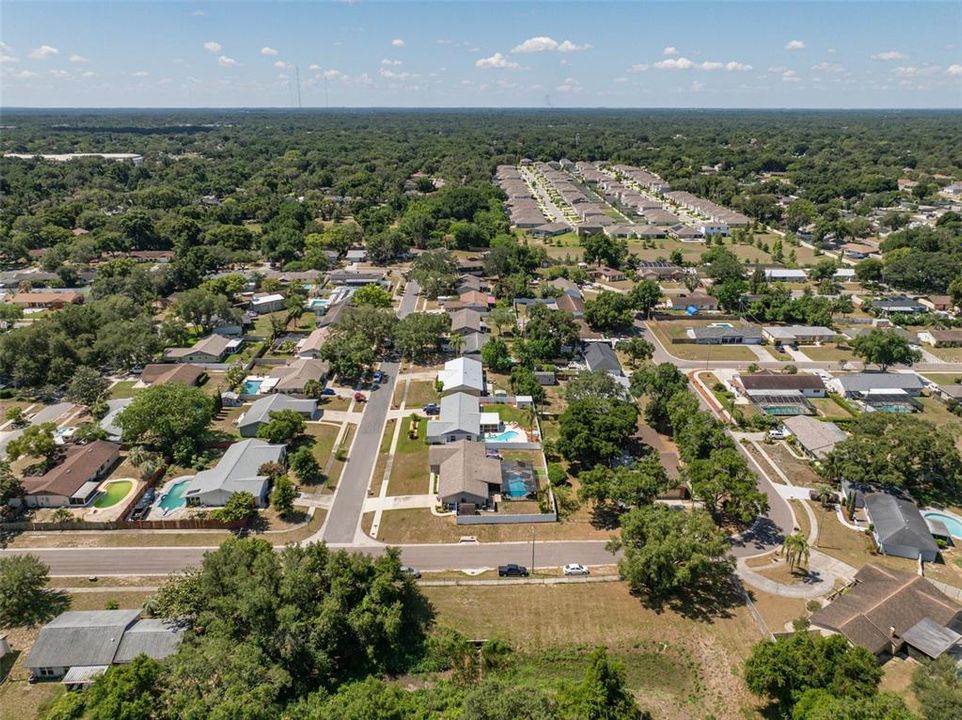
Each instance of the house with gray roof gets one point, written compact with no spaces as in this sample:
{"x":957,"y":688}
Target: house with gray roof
{"x":899,"y":528}
{"x":108,"y":423}
{"x":816,"y":438}
{"x":79,"y":645}
{"x":855,"y":385}
{"x":260,"y":411}
{"x":600,"y":356}
{"x":237,"y":471}
{"x":799,"y":333}
{"x":725,"y":335}
{"x":473,"y":344}
{"x":466,"y":473}
{"x":211,"y":349}
{"x":466,"y":321}
{"x":292,"y":378}
{"x":461,"y":419}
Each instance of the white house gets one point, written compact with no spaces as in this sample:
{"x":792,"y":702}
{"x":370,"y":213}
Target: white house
{"x":262,"y":304}
{"x":463,"y":374}
{"x":461,"y":419}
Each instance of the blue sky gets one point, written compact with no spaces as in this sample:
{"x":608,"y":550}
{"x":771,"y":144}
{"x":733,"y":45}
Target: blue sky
{"x":462,"y":54}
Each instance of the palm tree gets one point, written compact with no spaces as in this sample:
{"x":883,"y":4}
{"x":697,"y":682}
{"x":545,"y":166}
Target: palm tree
{"x":456,"y":342}
{"x":796,"y":550}
{"x":691,"y":281}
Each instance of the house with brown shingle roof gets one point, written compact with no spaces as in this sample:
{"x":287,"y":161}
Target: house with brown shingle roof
{"x":46,"y":300}
{"x":466,"y":321}
{"x":887,"y":611}
{"x":74,"y":481}
{"x":181,"y":374}
{"x":466,"y":474}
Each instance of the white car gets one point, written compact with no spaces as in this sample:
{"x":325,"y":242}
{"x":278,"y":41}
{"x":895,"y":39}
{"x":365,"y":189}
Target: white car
{"x":574,"y":569}
{"x":778,"y":434}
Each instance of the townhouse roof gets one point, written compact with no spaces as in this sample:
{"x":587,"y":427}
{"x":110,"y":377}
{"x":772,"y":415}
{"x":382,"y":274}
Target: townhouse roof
{"x":74,"y":472}
{"x":817,"y":437}
{"x":899,"y":522}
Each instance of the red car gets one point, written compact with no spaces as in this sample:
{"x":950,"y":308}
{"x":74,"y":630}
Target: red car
{"x":359,"y":397}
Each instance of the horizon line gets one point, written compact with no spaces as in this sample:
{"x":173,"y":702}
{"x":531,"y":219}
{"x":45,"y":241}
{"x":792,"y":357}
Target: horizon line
{"x":471,"y":107}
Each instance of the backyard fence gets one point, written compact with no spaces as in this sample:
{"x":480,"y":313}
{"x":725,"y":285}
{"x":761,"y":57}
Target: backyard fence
{"x":498,"y":519}
{"x":183,"y":524}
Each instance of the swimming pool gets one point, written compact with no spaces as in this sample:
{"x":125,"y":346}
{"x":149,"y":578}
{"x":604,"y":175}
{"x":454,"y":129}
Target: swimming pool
{"x":252,"y":386}
{"x":509,"y":435}
{"x":174,"y":498}
{"x":515,"y":488}
{"x":952,"y":523}
{"x":317,"y":304}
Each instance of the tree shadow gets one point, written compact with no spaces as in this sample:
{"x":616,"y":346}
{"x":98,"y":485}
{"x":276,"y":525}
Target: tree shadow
{"x":713,"y":597}
{"x":605,"y":517}
{"x":762,"y":535}
{"x":43,"y":607}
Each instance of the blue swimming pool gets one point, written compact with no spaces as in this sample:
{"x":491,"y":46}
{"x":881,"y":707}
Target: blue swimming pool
{"x":952,"y":523}
{"x":252,"y":387}
{"x":515,"y":485}
{"x":510,"y":435}
{"x":174,"y":499}
{"x":317,"y":304}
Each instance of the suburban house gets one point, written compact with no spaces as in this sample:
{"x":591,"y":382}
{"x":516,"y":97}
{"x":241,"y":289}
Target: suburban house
{"x":724,"y":335}
{"x":550,"y":230}
{"x":45,"y":300}
{"x":858,"y":251}
{"x":469,"y":282}
{"x":859,"y":385}
{"x":237,"y":471}
{"x":685,"y":233}
{"x":571,"y":304}
{"x":473,"y":344}
{"x":899,"y":528}
{"x":465,"y":472}
{"x":355,"y":278}
{"x":607,"y":274}
{"x":699,"y":301}
{"x":73,"y":482}
{"x":461,"y":419}
{"x":600,"y":356}
{"x":79,"y":645}
{"x":899,"y":304}
{"x":887,"y":611}
{"x":785,"y":275}
{"x":211,"y":349}
{"x":475,"y":300}
{"x":941,"y":338}
{"x":462,"y":375}
{"x":939,"y":303}
{"x":108,"y":423}
{"x":310,"y":347}
{"x":263,"y":304}
{"x":816,"y":438}
{"x":660,"y":270}
{"x":292,"y":378}
{"x":799,"y":333}
{"x":260,"y":410}
{"x":466,"y":321}
{"x":471,"y":266}
{"x":807,"y":385}
{"x":180,"y":374}
{"x":356,"y":255}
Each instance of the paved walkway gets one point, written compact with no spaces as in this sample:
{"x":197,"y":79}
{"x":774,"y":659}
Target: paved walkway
{"x":397,"y":502}
{"x":823,"y":573}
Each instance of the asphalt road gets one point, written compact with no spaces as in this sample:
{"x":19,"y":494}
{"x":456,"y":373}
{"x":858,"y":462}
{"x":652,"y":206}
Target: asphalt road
{"x":344,"y":517}
{"x":84,"y":562}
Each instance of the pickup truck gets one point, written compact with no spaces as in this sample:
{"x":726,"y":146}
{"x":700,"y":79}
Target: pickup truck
{"x":512,"y":570}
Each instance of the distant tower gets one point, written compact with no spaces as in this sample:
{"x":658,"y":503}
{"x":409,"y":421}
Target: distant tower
{"x":297,"y":79}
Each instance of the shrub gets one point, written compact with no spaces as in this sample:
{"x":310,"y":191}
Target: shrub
{"x":557,"y":474}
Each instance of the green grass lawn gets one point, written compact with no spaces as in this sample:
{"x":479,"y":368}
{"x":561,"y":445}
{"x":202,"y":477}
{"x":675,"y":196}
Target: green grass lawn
{"x":827,"y":407}
{"x":827,"y":352}
{"x":113,"y":493}
{"x":949,"y":354}
{"x":409,"y":475}
{"x":123,"y":389}
{"x":943,"y":378}
{"x":691,"y":351}
{"x":936,"y":412}
{"x":420,"y":393}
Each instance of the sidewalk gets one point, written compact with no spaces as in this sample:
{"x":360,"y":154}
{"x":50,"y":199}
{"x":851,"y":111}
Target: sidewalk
{"x":823,"y":573}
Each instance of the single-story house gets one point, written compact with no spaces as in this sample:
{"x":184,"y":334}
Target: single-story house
{"x":354,"y":278}
{"x":211,"y":349}
{"x":858,"y":251}
{"x":180,"y":374}
{"x":608,"y":274}
{"x":941,"y":338}
{"x":816,"y":438}
{"x":470,"y":266}
{"x":660,"y":270}
{"x":237,"y":471}
{"x":887,"y":611}
{"x":466,"y":321}
{"x":699,"y":301}
{"x":899,"y":304}
{"x":356,"y":255}
{"x":940,"y":303}
{"x":785,"y":275}
{"x":724,"y":335}
{"x":571,"y":304}
{"x":73,"y":482}
{"x":685,"y":233}
{"x":799,"y":333}
{"x":601,"y":356}
{"x":948,"y":393}
{"x":550,"y":229}
{"x":899,"y":528}
{"x":781,"y":403}
{"x":45,"y":300}
{"x":462,"y":375}
{"x":856,"y":384}
{"x":260,"y":411}
{"x":473,"y":344}
{"x":292,"y":378}
{"x":466,"y":473}
{"x":548,"y":377}
{"x":310,"y":347}
{"x":475,"y":300}
{"x":108,"y":423}
{"x":263,"y":304}
{"x":467,"y":283}
{"x":461,"y":419}
{"x":808,"y":385}
{"x":78,"y":645}
{"x":567,"y":287}
{"x":655,"y":232}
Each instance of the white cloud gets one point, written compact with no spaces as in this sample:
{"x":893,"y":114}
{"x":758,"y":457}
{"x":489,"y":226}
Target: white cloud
{"x":546,"y":44}
{"x":75,"y":58}
{"x":795,"y":45}
{"x":24,"y":74}
{"x":225,"y":61}
{"x":5,"y":58}
{"x":88,"y":74}
{"x":43,"y":52}
{"x":639,"y":67}
{"x":388,"y":61}
{"x":912,"y":71}
{"x":790,"y":76}
{"x":141,"y":74}
{"x":827,"y":67}
{"x":681,"y":63}
{"x":570,"y":85}
{"x":397,"y":42}
{"x":496,"y":61}
{"x":955,"y":69}
{"x":281,"y":65}
{"x":268,"y":51}
{"x":198,"y":13}
{"x":670,"y":50}
{"x":734,"y":66}
{"x":391,"y":75}
{"x":211,"y":46}
{"x":890,"y":55}
{"x":60,"y":74}
{"x":711,"y":65}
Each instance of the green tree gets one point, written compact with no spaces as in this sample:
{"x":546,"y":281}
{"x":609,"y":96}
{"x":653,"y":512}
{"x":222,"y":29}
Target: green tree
{"x":10,"y":485}
{"x":349,"y":355}
{"x":603,"y":693}
{"x":609,"y":310}
{"x":363,"y":700}
{"x":823,"y":270}
{"x":305,"y":465}
{"x":637,"y":349}
{"x":283,"y":495}
{"x":524,"y":382}
{"x":282,"y":427}
{"x":125,"y":692}
{"x":418,"y":335}
{"x":938,"y":688}
{"x":240,"y":507}
{"x":86,"y":386}
{"x":496,"y":356}
{"x":547,"y":331}
{"x":9,"y":314}
{"x":631,"y":486}
{"x":500,"y":700}
{"x":646,"y":294}
{"x":658,"y":384}
{"x":172,"y":419}
{"x":205,"y":309}
{"x":436,"y":271}
{"x":313,"y":388}
{"x":16,"y":416}
{"x":604,"y":250}
{"x":594,"y":384}
{"x":35,"y":441}
{"x":24,"y":596}
{"x":817,"y":704}
{"x":372,"y":294}
{"x":501,"y":318}
{"x":726,"y":486}
{"x":669,"y":553}
{"x":796,"y":550}
{"x":869,"y":271}
{"x":595,"y":429}
{"x":885,"y":348}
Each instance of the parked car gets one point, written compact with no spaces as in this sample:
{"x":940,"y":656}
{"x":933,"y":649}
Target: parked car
{"x":328,"y":391}
{"x":574,"y":569}
{"x":431,"y":409}
{"x":778,"y":434}
{"x":378,"y":377}
{"x":512,"y":570}
{"x":413,"y":572}
{"x":359,"y":397}
{"x":143,"y":505}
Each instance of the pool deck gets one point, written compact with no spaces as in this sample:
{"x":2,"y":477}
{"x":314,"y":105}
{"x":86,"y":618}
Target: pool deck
{"x":157,"y":512}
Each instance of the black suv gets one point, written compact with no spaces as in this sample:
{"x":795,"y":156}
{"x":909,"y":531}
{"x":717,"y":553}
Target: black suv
{"x":512,"y":570}
{"x":143,"y":505}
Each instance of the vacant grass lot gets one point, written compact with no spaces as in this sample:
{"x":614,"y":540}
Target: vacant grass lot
{"x":420,"y":393}
{"x":409,"y":475}
{"x":827,"y":407}
{"x":677,"y":668}
{"x":936,"y":412}
{"x":949,"y":354}
{"x":827,"y":352}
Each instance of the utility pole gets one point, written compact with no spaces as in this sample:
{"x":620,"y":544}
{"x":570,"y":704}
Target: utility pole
{"x":532,"y":551}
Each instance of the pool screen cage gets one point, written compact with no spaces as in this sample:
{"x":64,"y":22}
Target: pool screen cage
{"x":516,"y":474}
